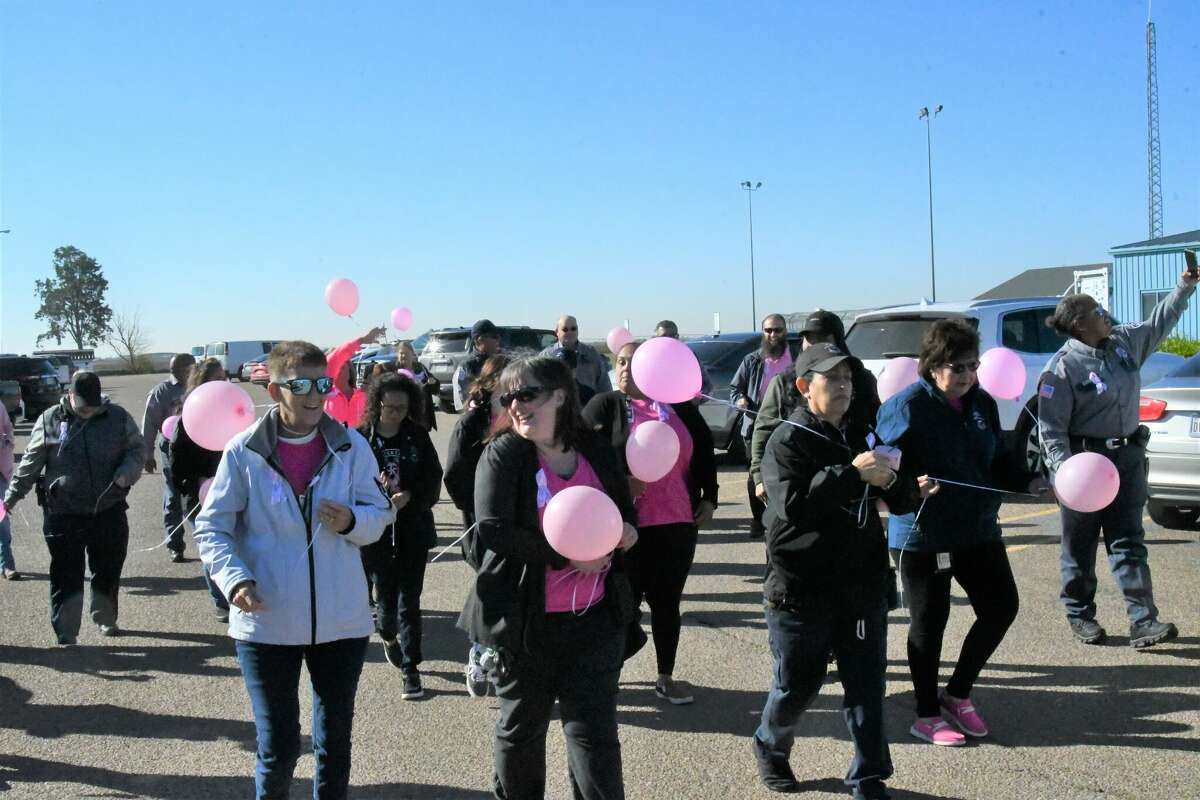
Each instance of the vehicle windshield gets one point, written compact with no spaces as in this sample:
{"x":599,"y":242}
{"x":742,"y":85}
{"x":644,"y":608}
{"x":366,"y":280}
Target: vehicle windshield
{"x":716,"y":355}
{"x":454,"y":342}
{"x":890,"y":337}
{"x":514,"y":339}
{"x":13,"y":368}
{"x":1188,"y":369}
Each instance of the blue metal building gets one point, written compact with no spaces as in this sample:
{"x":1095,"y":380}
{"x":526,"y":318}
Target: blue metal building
{"x":1145,"y":272}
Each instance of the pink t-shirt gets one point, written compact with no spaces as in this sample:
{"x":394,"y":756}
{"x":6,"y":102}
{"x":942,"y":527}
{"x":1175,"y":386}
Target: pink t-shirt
{"x":566,"y":589}
{"x":772,"y":367}
{"x":666,"y":501}
{"x":300,"y":459}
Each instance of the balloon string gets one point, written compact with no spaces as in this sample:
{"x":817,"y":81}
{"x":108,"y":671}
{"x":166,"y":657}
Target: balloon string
{"x":777,"y":419}
{"x":171,"y":532}
{"x":446,"y":549}
{"x":981,"y":488}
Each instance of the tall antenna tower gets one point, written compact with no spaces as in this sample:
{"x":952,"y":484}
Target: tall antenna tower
{"x":1153,"y":151}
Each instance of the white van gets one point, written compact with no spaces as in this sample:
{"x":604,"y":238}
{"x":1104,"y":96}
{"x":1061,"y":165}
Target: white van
{"x":233,"y":355}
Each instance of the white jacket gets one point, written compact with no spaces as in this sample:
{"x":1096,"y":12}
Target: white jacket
{"x":253,"y":528}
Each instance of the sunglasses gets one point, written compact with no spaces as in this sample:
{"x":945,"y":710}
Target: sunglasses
{"x":774,"y":330}
{"x":525,"y":395}
{"x":572,"y":328}
{"x":959,"y":369}
{"x":303,"y":386}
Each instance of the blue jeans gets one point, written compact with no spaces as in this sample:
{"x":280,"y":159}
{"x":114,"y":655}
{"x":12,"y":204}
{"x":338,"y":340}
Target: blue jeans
{"x":6,"y":553}
{"x":800,"y":645}
{"x":272,"y":676}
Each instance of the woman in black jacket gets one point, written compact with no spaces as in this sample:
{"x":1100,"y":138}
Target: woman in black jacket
{"x":412,"y":475}
{"x":670,"y":510}
{"x":827,"y":583}
{"x":559,"y":626}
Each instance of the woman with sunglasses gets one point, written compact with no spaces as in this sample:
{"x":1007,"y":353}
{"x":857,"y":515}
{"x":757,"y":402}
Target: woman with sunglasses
{"x":559,"y":626}
{"x":412,"y":475}
{"x":947,"y":427}
{"x":670,"y":510}
{"x":1088,"y":400}
{"x":295,"y":497}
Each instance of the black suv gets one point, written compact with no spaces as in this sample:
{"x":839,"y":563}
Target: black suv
{"x":38,"y":378}
{"x":447,"y":348}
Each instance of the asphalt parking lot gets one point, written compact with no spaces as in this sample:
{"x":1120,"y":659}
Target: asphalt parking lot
{"x":161,"y":712}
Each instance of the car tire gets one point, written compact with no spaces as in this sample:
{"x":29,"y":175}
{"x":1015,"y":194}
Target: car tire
{"x":1176,"y":517}
{"x":1028,"y":442}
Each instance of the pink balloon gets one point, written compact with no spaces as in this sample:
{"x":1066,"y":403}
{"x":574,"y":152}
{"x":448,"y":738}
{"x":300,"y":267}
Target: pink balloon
{"x":1002,"y":373}
{"x":666,"y":370}
{"x":899,"y":374}
{"x":3,"y":512}
{"x":582,"y":523}
{"x":215,"y":412}
{"x":408,"y":373}
{"x":342,"y":296}
{"x":170,"y":427}
{"x":1087,"y":482}
{"x":618,"y":338}
{"x":204,"y":487}
{"x":652,"y":450}
{"x":401,"y":318}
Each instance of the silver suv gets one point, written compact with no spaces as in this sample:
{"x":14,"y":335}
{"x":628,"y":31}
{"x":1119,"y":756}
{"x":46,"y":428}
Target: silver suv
{"x":449,"y":347}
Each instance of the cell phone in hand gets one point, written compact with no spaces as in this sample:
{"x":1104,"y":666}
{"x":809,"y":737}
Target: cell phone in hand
{"x":1190,"y":257}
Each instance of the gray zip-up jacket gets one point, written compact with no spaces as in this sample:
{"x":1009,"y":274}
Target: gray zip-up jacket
{"x":1093,"y":392}
{"x":163,"y":401}
{"x":591,"y":369}
{"x":80,"y":459}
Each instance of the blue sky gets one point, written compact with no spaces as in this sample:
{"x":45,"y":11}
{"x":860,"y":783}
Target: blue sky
{"x":224,"y":161}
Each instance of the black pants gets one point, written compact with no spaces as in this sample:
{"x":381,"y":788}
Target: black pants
{"x":757,"y":506}
{"x":578,"y":664}
{"x":984,"y":574}
{"x":395,"y":565}
{"x":103,"y":539}
{"x":658,"y":568}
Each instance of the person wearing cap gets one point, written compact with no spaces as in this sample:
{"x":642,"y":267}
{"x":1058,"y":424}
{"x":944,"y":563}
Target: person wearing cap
{"x":948,"y":429}
{"x":485,"y":338}
{"x":669,"y":329}
{"x":86,"y":452}
{"x":165,"y":400}
{"x":1088,"y":401}
{"x":591,"y":368}
{"x":782,"y":397}
{"x":828,"y":582}
{"x":746,"y":392}
{"x":346,"y":402}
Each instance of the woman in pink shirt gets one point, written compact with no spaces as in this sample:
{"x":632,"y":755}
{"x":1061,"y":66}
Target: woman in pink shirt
{"x":7,"y":447}
{"x":346,"y":402}
{"x":559,"y":627}
{"x":669,"y":510}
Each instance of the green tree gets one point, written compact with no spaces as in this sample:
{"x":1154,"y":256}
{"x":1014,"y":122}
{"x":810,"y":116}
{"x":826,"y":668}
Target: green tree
{"x":73,"y":300}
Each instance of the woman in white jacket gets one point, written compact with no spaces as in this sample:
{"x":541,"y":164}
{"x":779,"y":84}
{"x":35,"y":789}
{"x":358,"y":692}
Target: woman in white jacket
{"x":293,"y":500}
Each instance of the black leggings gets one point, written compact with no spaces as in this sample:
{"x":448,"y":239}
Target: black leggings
{"x":658,"y":568}
{"x":984,"y":574}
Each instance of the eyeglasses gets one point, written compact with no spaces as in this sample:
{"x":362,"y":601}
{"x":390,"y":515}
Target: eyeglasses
{"x":568,"y":330}
{"x":967,"y":366}
{"x":303,"y":386}
{"x":774,"y":330}
{"x":390,"y":407}
{"x":526,"y":394}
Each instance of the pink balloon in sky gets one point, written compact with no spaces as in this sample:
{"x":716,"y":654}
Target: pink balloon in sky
{"x":618,"y":338}
{"x":342,"y":296}
{"x":651,"y":450}
{"x":1087,"y":482}
{"x":899,"y":374}
{"x":215,"y":412}
{"x":401,"y":318}
{"x":666,"y":370}
{"x":170,"y":427}
{"x":582,"y":523}
{"x":1002,"y":373}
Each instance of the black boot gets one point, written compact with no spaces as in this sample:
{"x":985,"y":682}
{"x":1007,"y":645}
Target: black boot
{"x":774,"y":771}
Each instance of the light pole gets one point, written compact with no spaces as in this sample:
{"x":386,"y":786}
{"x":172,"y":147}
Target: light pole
{"x":925,"y":115}
{"x":750,"y":190}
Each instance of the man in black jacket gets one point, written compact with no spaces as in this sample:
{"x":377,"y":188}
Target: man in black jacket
{"x":827,"y":574}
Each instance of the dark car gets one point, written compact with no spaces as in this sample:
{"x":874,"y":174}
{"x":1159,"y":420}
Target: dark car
{"x":38,"y":378}
{"x":445,"y":349}
{"x":720,"y":356}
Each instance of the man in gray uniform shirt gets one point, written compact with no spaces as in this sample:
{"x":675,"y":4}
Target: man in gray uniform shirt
{"x":1088,"y":401}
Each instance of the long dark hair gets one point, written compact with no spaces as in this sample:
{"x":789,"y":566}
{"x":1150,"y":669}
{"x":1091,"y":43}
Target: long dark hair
{"x":483,"y":386}
{"x":549,"y":374}
{"x":392,"y":382}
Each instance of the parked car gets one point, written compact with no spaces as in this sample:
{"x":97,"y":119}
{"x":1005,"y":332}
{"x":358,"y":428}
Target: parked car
{"x":64,"y":367}
{"x":38,"y":379}
{"x":1170,"y":408}
{"x":720,"y":356}
{"x":1018,"y":324}
{"x":10,"y":396}
{"x":445,"y":349}
{"x":233,"y":355}
{"x":248,"y":367}
{"x":197,"y":352}
{"x":260,"y":375}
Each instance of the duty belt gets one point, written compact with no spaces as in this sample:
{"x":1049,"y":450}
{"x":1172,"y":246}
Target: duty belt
{"x":1093,"y":444}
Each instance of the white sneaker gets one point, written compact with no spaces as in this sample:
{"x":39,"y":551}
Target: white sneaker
{"x":674,"y":692}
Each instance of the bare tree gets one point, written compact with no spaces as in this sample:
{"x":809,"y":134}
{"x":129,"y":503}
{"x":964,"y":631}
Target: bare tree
{"x":130,"y":339}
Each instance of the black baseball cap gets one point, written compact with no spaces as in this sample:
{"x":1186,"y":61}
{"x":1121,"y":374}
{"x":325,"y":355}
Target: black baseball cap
{"x":86,"y":386}
{"x":825,"y":323}
{"x":819,"y":358}
{"x":484,"y":327}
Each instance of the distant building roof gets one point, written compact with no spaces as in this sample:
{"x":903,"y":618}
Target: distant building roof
{"x":1190,"y":237}
{"x":1040,"y":282}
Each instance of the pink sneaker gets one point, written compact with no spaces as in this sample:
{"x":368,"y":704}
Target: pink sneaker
{"x":962,"y":715}
{"x":937,"y":731}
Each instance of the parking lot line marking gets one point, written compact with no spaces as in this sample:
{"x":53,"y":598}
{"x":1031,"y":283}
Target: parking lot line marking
{"x":1030,"y":515}
{"x":1016,"y":548}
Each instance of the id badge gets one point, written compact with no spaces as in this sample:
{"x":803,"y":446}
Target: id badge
{"x":943,"y":562}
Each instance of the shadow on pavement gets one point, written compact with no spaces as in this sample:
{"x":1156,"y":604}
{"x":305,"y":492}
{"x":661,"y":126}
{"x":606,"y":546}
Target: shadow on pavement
{"x":835,"y":786}
{"x":162,"y":586}
{"x":121,"y":659}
